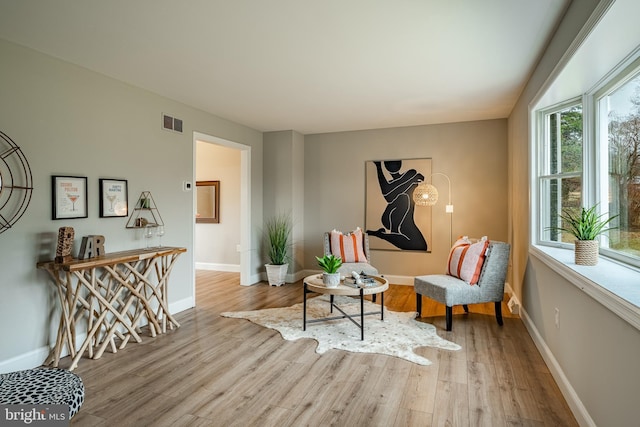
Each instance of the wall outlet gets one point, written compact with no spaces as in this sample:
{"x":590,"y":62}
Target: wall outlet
{"x":557,"y":317}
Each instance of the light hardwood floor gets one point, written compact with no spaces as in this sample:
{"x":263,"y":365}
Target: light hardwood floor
{"x":215,"y":371}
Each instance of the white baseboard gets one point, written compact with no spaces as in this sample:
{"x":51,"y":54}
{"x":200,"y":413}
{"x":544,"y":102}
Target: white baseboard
{"x":233,"y":268}
{"x":181,"y":305}
{"x":400,"y":280}
{"x":27,"y":360}
{"x":37,"y":357}
{"x":573,"y":400}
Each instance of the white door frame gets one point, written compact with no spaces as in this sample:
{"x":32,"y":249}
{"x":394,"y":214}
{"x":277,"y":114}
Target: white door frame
{"x":245,"y":200}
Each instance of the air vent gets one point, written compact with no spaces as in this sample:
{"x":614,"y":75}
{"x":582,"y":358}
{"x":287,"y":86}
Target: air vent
{"x":171,"y":123}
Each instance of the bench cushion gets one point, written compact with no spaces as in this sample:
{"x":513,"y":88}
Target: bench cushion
{"x":42,"y":386}
{"x":447,"y":289}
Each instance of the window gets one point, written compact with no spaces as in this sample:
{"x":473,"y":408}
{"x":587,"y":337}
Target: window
{"x":605,"y":171}
{"x":585,"y":149}
{"x":560,"y":181}
{"x":618,"y":111}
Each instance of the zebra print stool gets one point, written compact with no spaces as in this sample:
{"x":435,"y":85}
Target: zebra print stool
{"x":42,"y":386}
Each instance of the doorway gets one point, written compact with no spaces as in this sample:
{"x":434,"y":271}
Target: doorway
{"x":244,"y":199}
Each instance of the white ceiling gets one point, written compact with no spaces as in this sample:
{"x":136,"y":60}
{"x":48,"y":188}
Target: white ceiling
{"x":311,"y":66}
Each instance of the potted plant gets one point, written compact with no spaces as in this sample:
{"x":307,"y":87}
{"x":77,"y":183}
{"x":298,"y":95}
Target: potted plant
{"x":278,"y":232}
{"x":585,"y":227}
{"x":330,"y":265}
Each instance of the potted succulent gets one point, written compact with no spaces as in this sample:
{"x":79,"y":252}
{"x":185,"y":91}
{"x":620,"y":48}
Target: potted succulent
{"x":278,"y":232}
{"x":585,"y":227}
{"x":330,"y":265}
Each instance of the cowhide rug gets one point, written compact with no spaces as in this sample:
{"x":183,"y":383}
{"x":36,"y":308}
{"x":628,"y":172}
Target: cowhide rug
{"x":398,"y":335}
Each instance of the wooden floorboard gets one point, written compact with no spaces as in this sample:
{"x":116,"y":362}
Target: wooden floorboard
{"x":216,"y":371}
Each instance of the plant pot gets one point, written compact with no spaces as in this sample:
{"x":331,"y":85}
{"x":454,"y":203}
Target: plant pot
{"x":331,"y":280}
{"x":276,"y":273}
{"x":586,"y":252}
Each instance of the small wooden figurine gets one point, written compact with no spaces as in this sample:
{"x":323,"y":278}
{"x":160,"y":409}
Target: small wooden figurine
{"x":65,"y":243}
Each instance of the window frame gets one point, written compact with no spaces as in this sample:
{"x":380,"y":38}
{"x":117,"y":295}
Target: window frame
{"x":543,"y":167}
{"x":595,"y":169}
{"x":596,"y":59}
{"x":618,"y":77}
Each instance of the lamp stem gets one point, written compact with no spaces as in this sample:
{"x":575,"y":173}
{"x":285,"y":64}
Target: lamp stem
{"x":449,"y":207}
{"x":448,"y":183}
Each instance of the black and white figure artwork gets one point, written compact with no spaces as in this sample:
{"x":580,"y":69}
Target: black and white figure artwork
{"x":391,"y":219}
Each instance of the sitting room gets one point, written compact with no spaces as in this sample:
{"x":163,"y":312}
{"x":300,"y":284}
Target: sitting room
{"x":415,"y":125}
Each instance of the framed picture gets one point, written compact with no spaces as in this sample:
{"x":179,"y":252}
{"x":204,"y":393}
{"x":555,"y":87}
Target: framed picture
{"x":69,"y":194}
{"x":114,"y":200}
{"x":392,"y":220}
{"x":208,"y":202}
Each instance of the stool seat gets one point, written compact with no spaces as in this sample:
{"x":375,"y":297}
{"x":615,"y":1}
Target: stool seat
{"x":42,"y":386}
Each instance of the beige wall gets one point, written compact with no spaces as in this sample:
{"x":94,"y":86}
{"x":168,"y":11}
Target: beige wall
{"x":216,"y":244}
{"x":284,"y":190}
{"x":472,"y":154}
{"x":71,"y":121}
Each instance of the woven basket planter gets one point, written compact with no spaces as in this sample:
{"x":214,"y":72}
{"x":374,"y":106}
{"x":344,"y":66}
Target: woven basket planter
{"x":586,"y":252}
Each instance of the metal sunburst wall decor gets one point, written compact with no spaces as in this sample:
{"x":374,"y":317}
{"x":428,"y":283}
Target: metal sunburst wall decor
{"x":16,"y":183}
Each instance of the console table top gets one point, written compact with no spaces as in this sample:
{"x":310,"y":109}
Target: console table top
{"x":111,"y":258}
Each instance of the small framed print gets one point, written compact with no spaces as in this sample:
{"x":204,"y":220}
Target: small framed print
{"x":114,"y":200}
{"x":69,"y":194}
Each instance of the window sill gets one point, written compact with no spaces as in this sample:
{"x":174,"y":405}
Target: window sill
{"x":621,"y":296}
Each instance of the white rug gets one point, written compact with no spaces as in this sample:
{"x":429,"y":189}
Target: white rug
{"x":397,"y":335}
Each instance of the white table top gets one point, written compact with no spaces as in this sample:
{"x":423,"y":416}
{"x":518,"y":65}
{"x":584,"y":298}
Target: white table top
{"x":314,"y":283}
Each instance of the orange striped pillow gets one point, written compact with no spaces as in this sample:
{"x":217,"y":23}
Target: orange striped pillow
{"x":348,"y":246}
{"x":466,"y":259}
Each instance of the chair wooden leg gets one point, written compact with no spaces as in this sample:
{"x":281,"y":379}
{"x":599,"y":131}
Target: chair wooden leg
{"x":466,"y":308}
{"x":449,"y":317}
{"x":419,"y":304}
{"x":499,"y":312}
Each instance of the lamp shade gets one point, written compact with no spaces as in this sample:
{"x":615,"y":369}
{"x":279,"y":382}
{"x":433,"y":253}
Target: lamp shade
{"x":425,"y":195}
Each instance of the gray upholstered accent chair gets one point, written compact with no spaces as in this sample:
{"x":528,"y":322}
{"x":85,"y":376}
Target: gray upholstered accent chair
{"x":451,"y":291}
{"x":358,"y":267}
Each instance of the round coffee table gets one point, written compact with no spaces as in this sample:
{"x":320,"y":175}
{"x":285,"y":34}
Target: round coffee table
{"x":313,"y":284}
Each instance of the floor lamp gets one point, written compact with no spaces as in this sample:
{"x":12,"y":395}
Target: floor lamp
{"x":427,"y":195}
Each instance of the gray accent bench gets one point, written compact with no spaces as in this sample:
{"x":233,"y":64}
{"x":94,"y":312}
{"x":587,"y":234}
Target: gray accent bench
{"x":450,"y":291}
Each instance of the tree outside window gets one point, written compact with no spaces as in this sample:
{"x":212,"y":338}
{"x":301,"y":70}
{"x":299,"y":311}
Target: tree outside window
{"x":623,"y":116}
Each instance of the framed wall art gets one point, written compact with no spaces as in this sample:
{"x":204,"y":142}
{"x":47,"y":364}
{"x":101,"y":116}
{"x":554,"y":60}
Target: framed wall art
{"x":208,"y":202}
{"x":114,"y":199}
{"x":69,"y":194}
{"x":392,"y":220}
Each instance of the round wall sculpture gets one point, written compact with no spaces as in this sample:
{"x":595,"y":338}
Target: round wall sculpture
{"x":16,"y":183}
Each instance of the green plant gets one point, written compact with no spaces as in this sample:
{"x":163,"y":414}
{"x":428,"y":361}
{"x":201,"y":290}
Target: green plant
{"x":586,"y":226}
{"x":330,"y":263}
{"x":278,"y":229}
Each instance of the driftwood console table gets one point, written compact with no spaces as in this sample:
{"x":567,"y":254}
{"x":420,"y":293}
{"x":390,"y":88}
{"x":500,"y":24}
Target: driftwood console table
{"x":112,"y":293}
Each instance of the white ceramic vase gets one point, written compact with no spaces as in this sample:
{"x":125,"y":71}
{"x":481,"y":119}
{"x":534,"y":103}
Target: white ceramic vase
{"x":331,"y":280}
{"x":276,"y":274}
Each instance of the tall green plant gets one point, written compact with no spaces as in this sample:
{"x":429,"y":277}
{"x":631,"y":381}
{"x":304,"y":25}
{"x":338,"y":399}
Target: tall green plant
{"x":586,"y":226}
{"x":278,"y":229}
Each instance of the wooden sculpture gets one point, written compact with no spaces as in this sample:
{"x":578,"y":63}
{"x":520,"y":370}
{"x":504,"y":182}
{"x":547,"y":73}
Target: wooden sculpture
{"x":65,"y":243}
